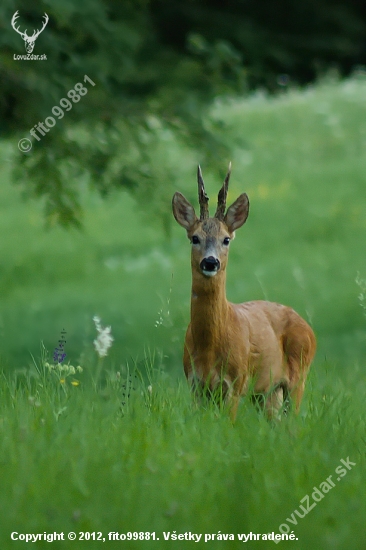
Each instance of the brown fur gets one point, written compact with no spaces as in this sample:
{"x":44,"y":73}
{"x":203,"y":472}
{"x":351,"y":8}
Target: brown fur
{"x":230,"y":344}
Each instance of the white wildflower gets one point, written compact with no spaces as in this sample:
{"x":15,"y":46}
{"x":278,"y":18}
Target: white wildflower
{"x":104,"y":339}
{"x":160,"y":319}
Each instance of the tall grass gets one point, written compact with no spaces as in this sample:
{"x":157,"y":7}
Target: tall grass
{"x":128,"y":450}
{"x":131,"y":455}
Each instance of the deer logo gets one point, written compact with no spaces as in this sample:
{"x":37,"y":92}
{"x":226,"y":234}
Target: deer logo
{"x":28,"y":40}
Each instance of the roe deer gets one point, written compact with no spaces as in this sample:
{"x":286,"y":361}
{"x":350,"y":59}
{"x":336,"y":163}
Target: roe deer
{"x":227,"y":345}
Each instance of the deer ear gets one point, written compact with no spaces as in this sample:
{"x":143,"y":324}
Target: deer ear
{"x":183,"y":211}
{"x":237,"y":213}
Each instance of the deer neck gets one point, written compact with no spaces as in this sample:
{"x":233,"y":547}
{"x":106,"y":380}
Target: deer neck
{"x":209,"y":311}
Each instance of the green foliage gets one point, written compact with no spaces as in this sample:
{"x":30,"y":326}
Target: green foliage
{"x":153,"y":63}
{"x":300,"y":159}
{"x":120,"y":446}
{"x":86,"y":458}
{"x":139,"y":85}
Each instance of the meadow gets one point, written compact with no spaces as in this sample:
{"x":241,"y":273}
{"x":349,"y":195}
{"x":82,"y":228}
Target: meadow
{"x":120,"y":446}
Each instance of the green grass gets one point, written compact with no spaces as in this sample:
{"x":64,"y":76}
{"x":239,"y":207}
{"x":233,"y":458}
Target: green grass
{"x":301,"y":160}
{"x":73,"y":460}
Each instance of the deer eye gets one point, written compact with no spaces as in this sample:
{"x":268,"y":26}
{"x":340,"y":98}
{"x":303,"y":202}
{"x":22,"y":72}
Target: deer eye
{"x":226,"y":241}
{"x":195,"y":240}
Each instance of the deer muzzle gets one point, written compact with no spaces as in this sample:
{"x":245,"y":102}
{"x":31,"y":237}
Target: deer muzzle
{"x":210,"y":266}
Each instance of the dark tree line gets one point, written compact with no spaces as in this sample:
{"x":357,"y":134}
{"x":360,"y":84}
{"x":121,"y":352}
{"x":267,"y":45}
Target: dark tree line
{"x":152,"y":58}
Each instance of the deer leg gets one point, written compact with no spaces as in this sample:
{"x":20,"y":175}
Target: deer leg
{"x":297,"y":393}
{"x":298,"y":373}
{"x":234,"y":402}
{"x":274,"y":401}
{"x":197,"y":390}
{"x":299,"y":347}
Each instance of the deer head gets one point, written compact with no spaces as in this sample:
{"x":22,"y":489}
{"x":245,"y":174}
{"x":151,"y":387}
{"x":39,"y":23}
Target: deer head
{"x":210,"y":237}
{"x":28,"y":40}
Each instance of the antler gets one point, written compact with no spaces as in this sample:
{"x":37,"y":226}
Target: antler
{"x":13,"y":21}
{"x":24,"y":34}
{"x":202,"y":196}
{"x":221,"y":198}
{"x":44,"y":24}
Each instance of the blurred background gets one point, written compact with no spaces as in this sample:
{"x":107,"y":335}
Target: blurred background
{"x":276,"y":87}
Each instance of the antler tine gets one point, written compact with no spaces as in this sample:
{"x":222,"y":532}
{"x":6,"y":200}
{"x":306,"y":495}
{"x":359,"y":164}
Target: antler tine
{"x":44,"y":23}
{"x":221,"y":198}
{"x":46,"y":19}
{"x":14,"y":18}
{"x":13,"y":23}
{"x":202,"y":196}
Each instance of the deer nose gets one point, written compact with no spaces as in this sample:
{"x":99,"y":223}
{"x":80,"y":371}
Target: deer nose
{"x":210,"y":264}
